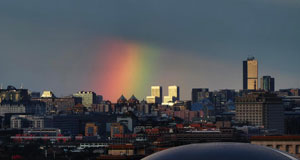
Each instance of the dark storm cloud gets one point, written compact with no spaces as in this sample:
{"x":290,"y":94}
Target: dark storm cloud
{"x":50,"y":43}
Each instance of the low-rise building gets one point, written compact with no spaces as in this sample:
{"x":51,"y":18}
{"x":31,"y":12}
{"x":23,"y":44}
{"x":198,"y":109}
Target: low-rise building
{"x":116,"y":129}
{"x":91,"y":129}
{"x":290,"y":144}
{"x":29,"y":121}
{"x":121,"y":149}
{"x":27,"y":107}
{"x":56,"y":105}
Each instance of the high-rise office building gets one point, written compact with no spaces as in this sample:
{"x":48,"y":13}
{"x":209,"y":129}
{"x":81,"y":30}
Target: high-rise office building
{"x":174,"y":94}
{"x":156,"y":95}
{"x":267,"y":83}
{"x":199,"y":94}
{"x":250,"y":74}
{"x":261,"y":109}
{"x":156,"y":91}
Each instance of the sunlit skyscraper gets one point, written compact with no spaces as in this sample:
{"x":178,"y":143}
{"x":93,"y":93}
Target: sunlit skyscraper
{"x":174,"y":94}
{"x":156,"y":91}
{"x":250,"y":74}
{"x":156,"y":95}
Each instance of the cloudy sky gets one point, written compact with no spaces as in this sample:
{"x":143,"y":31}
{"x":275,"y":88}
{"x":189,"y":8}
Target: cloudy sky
{"x":54,"y":45}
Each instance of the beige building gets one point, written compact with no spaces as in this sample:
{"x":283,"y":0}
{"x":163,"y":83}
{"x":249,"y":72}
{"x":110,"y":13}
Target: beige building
{"x":290,"y":144}
{"x":116,"y":129}
{"x":261,"y":109}
{"x":174,"y":94}
{"x":156,"y":91}
{"x":156,"y":95}
{"x":151,"y":99}
{"x":48,"y":94}
{"x":121,"y":149}
{"x":250,"y":74}
{"x":91,"y":129}
{"x":88,"y":98}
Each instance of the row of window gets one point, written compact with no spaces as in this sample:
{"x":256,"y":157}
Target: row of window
{"x":286,"y":148}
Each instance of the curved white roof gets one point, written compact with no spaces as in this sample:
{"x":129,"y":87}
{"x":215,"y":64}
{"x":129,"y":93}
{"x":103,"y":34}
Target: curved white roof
{"x":220,"y":151}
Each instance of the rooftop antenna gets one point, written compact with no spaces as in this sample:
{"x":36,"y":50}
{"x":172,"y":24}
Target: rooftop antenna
{"x":21,"y":85}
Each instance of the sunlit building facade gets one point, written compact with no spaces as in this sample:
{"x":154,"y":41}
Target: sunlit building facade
{"x":156,"y":95}
{"x":88,"y":98}
{"x":174,"y":94}
{"x":250,"y":74}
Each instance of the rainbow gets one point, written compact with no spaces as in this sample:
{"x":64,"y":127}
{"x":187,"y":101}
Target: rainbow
{"x":124,"y":68}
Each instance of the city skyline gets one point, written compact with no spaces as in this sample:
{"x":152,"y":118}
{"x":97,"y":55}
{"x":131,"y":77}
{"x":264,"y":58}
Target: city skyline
{"x":143,"y":80}
{"x":165,"y":92}
{"x":106,"y":48}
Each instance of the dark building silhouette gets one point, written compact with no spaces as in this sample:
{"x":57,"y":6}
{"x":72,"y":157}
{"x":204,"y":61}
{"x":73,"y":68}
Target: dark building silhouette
{"x":199,"y":94}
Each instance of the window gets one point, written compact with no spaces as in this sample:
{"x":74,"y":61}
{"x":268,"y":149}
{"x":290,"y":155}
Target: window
{"x":297,"y":149}
{"x":288,"y":148}
{"x":278,"y":147}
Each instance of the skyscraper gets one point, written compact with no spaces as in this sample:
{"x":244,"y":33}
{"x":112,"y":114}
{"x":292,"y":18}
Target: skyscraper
{"x":156,"y":95}
{"x":157,"y":92}
{"x":267,"y":83}
{"x":250,"y":74}
{"x":174,"y":94}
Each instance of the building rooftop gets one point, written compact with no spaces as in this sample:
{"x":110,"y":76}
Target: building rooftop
{"x":48,"y":94}
{"x":275,"y":138}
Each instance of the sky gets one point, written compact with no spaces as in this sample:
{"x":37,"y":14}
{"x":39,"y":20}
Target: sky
{"x":118,"y":47}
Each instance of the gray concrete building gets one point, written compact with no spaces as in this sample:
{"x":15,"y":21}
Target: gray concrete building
{"x":30,"y":107}
{"x":30,"y":121}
